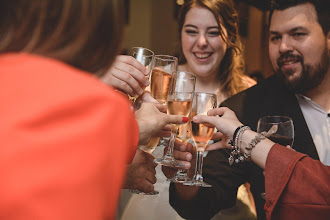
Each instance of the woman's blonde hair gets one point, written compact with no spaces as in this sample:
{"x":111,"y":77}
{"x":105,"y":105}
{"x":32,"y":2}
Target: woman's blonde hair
{"x":232,"y":66}
{"x":83,"y":33}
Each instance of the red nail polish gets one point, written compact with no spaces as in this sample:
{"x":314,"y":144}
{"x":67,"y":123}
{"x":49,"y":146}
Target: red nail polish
{"x":185,"y":119}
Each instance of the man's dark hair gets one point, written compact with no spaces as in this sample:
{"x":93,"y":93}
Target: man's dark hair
{"x":322,"y":8}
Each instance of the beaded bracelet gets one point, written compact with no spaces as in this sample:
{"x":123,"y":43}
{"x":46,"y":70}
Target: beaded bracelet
{"x":235,"y":154}
{"x":253,"y":143}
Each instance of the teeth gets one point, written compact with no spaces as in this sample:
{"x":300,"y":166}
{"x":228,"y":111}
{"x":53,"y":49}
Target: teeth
{"x":202,"y":55}
{"x":289,"y":62}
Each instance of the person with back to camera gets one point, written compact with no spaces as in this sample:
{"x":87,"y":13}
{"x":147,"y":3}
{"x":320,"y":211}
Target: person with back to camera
{"x":210,"y":47}
{"x":299,"y":42}
{"x":65,"y":137}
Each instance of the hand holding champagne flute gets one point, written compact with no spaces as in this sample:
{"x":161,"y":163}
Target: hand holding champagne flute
{"x":183,"y":135}
{"x":163,"y":69}
{"x":145,"y":57}
{"x":201,"y":133}
{"x":179,"y":102}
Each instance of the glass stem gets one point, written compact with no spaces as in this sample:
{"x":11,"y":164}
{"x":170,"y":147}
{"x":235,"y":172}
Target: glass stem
{"x":199,"y":164}
{"x":169,"y":153}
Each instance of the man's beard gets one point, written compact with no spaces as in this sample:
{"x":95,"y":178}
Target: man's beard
{"x":311,"y":76}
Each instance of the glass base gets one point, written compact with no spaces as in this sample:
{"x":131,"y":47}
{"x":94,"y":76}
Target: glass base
{"x":135,"y":191}
{"x":197,"y":183}
{"x":169,"y":162}
{"x":180,"y":178}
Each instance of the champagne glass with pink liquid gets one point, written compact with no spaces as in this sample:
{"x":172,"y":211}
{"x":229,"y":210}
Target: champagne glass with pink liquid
{"x":163,"y":68}
{"x":201,"y":133}
{"x":179,"y":102}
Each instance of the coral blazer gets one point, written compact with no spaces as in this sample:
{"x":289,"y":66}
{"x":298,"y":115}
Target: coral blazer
{"x":297,"y":187}
{"x":65,"y":140}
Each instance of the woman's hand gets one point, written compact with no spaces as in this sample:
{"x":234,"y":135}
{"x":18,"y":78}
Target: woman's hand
{"x":151,"y":121}
{"x":226,"y":125}
{"x":146,"y":97}
{"x":127,"y":75}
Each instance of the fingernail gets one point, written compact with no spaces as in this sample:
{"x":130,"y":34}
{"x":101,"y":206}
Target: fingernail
{"x":146,"y":82}
{"x":185,"y":119}
{"x":146,"y":72}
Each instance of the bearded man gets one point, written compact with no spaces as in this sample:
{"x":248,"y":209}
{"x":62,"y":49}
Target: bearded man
{"x":299,"y":42}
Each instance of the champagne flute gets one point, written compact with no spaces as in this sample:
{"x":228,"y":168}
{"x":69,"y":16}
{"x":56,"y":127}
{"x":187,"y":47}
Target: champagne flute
{"x":201,"y":133}
{"x":183,"y":135}
{"x":179,"y":102}
{"x":163,"y":69}
{"x":145,"y":57}
{"x":284,"y":134}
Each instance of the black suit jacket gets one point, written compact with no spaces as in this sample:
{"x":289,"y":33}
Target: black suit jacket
{"x":270,"y":97}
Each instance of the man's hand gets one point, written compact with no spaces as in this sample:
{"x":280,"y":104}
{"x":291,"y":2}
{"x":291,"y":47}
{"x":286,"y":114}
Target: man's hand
{"x":185,"y":154}
{"x":141,"y":173}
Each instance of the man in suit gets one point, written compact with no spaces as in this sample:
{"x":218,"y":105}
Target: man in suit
{"x":299,"y":45}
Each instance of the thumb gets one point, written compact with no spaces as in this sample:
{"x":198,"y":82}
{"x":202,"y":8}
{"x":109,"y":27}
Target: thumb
{"x":204,"y":119}
{"x":176,"y":119}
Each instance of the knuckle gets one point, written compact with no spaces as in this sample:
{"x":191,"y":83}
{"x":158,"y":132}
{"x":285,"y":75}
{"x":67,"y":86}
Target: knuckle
{"x":126,"y":77}
{"x":131,"y":69}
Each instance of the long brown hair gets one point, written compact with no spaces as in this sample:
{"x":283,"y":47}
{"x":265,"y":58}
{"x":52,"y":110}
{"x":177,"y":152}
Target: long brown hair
{"x":84,"y":33}
{"x":232,"y":66}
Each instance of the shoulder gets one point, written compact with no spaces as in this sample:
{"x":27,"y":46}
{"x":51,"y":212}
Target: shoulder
{"x":266,"y":96}
{"x":270,"y":85}
{"x":248,"y":81}
{"x":47,"y":85}
{"x":53,"y":77}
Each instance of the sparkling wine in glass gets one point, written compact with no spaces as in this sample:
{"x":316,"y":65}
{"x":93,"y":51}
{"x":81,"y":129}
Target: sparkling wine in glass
{"x":179,"y":102}
{"x":145,"y":57}
{"x":284,"y":134}
{"x":164,"y":68}
{"x":201,"y":133}
{"x":151,"y":146}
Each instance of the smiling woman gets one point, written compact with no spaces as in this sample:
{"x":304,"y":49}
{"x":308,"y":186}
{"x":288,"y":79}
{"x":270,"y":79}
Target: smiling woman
{"x":210,"y":47}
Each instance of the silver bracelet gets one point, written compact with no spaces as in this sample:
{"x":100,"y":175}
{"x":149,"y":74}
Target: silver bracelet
{"x":235,"y":154}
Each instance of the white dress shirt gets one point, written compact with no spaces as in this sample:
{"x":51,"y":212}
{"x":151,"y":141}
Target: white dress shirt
{"x":318,"y":122}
